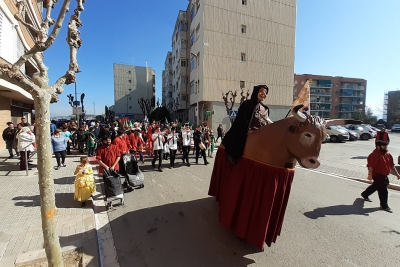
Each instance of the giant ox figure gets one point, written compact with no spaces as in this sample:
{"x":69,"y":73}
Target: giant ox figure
{"x":254,"y":191}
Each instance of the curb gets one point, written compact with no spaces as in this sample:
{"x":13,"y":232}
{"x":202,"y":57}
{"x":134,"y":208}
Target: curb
{"x":107,"y":252}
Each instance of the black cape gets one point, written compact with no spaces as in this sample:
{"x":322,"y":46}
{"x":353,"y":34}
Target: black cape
{"x":235,"y":139}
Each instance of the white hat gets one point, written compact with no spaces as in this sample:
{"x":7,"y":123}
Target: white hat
{"x":25,"y":129}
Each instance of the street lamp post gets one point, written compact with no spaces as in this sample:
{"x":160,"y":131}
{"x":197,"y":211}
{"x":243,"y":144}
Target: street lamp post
{"x":127,"y":98}
{"x":197,"y":86}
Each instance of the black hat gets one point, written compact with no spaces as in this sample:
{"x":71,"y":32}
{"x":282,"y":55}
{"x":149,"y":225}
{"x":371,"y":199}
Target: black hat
{"x":173,"y":128}
{"x":120,"y":132}
{"x":381,"y":143}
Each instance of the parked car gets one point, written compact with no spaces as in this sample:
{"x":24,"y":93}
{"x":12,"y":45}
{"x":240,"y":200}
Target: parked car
{"x":327,"y":139}
{"x":352,"y":134}
{"x":395,"y":128}
{"x":380,"y":126}
{"x":337,"y":134}
{"x":365,"y":132}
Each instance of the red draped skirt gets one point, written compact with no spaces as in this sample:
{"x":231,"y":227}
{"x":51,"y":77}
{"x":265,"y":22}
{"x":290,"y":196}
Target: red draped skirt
{"x":252,"y":197}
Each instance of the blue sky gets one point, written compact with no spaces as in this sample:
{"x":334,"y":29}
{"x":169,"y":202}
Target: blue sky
{"x":357,"y":38}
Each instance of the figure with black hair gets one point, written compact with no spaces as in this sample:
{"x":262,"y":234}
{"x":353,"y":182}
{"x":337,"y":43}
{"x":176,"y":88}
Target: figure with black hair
{"x":9,"y":134}
{"x":158,"y":145}
{"x":91,"y":142}
{"x":199,"y":143}
{"x":252,"y":115}
{"x":120,"y":142}
{"x":186,"y":142}
{"x":380,"y":164}
{"x":172,"y":140}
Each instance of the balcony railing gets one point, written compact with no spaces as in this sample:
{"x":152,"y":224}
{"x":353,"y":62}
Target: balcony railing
{"x":353,"y":95}
{"x":312,"y":92}
{"x":321,"y":85}
{"x":329,"y":100}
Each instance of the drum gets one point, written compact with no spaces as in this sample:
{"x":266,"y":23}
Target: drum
{"x":202,"y":146}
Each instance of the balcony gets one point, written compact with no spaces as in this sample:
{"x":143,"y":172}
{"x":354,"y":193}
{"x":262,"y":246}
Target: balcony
{"x":321,"y":100}
{"x":325,"y":93}
{"x":353,"y":87}
{"x":352,"y":95}
{"x":321,"y":85}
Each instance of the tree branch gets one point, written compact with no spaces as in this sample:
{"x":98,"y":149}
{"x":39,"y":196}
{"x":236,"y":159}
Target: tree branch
{"x":17,"y":78}
{"x":21,"y":14}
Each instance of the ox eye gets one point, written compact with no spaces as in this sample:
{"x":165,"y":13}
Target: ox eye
{"x":307,"y":135}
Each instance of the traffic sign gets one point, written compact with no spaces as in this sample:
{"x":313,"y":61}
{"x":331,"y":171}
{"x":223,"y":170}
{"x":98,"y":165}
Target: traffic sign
{"x":233,"y":113}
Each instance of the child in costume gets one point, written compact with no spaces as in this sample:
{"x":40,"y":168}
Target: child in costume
{"x":84,"y":181}
{"x":212,"y":146}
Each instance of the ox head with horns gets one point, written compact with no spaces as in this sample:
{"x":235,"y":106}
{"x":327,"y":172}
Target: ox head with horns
{"x":308,"y":135}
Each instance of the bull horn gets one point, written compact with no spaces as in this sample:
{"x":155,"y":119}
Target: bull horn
{"x":298,"y":115}
{"x":341,"y":122}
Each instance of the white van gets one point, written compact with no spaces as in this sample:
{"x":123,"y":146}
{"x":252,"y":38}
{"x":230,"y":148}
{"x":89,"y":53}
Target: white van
{"x":336,"y":134}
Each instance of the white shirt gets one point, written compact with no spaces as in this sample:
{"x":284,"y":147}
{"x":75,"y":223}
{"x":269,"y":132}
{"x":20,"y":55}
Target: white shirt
{"x":186,"y":137}
{"x":173,"y":143}
{"x":158,"y":141}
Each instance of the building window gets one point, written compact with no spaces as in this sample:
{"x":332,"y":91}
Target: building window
{"x":130,"y":98}
{"x":183,"y":63}
{"x":130,"y":81}
{"x":130,"y":107}
{"x":192,"y":63}
{"x":183,"y":80}
{"x":193,"y":12}
{"x":192,"y":87}
{"x":295,"y":82}
{"x":129,"y":72}
{"x":295,"y":91}
{"x":183,"y":98}
{"x":242,"y":84}
{"x":244,"y":2}
{"x":192,"y":39}
{"x":243,"y":28}
{"x":243,"y":57}
{"x":302,"y":82}
{"x":197,"y":31}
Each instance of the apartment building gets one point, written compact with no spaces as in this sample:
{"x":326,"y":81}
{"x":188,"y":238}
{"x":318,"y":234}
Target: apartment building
{"x":333,"y":97}
{"x":233,"y":45}
{"x":15,"y":39}
{"x":167,"y":81}
{"x":130,"y":84}
{"x":391,"y":108}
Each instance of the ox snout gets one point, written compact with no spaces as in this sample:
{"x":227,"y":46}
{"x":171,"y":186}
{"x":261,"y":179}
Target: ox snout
{"x":310,"y":162}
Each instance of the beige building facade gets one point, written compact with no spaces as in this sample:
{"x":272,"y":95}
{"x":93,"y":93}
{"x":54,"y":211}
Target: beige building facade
{"x":235,"y":45}
{"x":15,"y":39}
{"x":130,"y":84}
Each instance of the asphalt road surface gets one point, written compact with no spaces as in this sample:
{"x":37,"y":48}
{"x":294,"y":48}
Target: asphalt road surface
{"x":173,"y":222}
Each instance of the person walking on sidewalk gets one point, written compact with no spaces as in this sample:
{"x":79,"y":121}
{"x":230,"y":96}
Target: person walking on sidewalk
{"x":380,"y":163}
{"x":9,"y":137}
{"x":199,"y":140}
{"x":59,"y":146}
{"x":382,"y":135}
{"x":158,"y":145}
{"x":84,"y":183}
{"x":25,"y":143}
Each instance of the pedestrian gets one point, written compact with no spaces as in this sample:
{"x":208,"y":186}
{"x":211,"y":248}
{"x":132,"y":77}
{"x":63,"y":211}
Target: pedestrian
{"x":24,"y":122}
{"x":212,"y":145}
{"x":25,"y":143}
{"x":220,"y":131}
{"x":380,"y":163}
{"x":172,"y":140}
{"x":9,"y":134}
{"x":158,"y":143}
{"x":53,"y":127}
{"x":186,"y":141}
{"x":80,"y":138}
{"x":108,"y":156}
{"x":199,"y":141}
{"x":382,"y":135}
{"x":67,"y":134}
{"x":59,"y":146}
{"x":85,"y":185}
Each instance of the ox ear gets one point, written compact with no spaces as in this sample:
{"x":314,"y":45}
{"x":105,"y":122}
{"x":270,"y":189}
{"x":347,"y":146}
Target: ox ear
{"x":341,"y":122}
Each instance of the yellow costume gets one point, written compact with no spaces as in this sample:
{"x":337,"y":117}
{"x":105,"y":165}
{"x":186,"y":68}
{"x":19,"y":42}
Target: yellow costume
{"x":84,"y":182}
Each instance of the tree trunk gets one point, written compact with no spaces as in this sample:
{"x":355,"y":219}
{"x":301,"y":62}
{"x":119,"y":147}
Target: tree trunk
{"x":46,"y":183}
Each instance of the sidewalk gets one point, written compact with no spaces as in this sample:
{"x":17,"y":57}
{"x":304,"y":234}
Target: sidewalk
{"x":21,"y":238}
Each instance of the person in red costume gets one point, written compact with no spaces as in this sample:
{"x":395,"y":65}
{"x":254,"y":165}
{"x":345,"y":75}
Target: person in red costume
{"x":150,"y":131}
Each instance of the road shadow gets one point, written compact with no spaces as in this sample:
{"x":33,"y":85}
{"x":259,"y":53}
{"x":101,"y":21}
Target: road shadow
{"x":359,"y":157}
{"x":63,"y":200}
{"x":357,"y":208}
{"x":65,"y":180}
{"x":177,"y":234}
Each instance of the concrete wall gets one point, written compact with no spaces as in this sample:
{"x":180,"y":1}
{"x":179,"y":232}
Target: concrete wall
{"x":5,"y":116}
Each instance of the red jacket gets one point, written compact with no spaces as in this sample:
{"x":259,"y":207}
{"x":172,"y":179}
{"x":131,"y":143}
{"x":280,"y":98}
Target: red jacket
{"x":381,"y":163}
{"x":382,"y":136}
{"x":133,"y":141}
{"x":121,"y":144}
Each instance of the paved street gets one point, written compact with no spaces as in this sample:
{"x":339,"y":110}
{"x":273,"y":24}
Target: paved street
{"x":173,"y":222}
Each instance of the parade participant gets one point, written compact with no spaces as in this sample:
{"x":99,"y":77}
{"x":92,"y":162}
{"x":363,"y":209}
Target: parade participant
{"x":59,"y":146}
{"x":84,"y":183}
{"x":25,"y":143}
{"x":91,"y":141}
{"x":80,"y":138}
{"x":150,"y":131}
{"x":166,"y":146}
{"x":120,"y":142}
{"x":158,"y":143}
{"x":139,"y":145}
{"x":9,"y":134}
{"x":198,"y":138}
{"x":173,"y":146}
{"x":207,"y":141}
{"x":108,"y":156}
{"x":252,"y":115}
{"x":186,"y":141}
{"x":212,"y":145}
{"x":380,"y":164}
{"x":382,"y":135}
{"x":220,"y":131}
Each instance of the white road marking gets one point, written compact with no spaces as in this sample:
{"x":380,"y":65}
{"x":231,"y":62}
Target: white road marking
{"x":194,"y":176}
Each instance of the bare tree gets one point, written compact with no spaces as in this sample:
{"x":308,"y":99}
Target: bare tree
{"x":243,"y":96}
{"x":142,"y":105}
{"x":231,"y":96}
{"x":43,"y":94}
{"x":149,"y":105}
